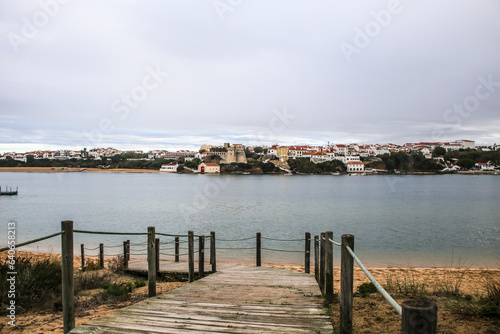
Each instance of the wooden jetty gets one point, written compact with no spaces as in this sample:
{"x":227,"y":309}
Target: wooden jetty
{"x":236,"y":299}
{"x":8,"y":192}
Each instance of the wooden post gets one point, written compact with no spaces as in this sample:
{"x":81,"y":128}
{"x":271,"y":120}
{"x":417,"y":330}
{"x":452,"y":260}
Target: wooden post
{"x":125,"y":255}
{"x":101,"y":256}
{"x":128,"y":251}
{"x":201,"y":256}
{"x":316,"y":258}
{"x":157,"y":257}
{"x":177,"y":249}
{"x":82,"y":254}
{"x":213,"y":256}
{"x":151,"y":262}
{"x":68,"y":290}
{"x":322,"y":262}
{"x":307,"y":260}
{"x":346,"y":284}
{"x":259,"y":251}
{"x":419,"y":316}
{"x":191,"y":255}
{"x":328,"y":267}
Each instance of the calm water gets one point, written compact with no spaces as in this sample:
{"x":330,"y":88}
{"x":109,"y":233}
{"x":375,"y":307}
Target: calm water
{"x":433,"y":220}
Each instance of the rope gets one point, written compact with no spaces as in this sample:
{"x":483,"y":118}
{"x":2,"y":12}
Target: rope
{"x":172,"y":235}
{"x":282,"y":250}
{"x":114,"y":246}
{"x":379,"y":287}
{"x":138,"y":244}
{"x":174,"y":254}
{"x":282,"y":239}
{"x":142,"y":254}
{"x":333,"y":242}
{"x":218,"y":239}
{"x":112,"y":233}
{"x":234,"y":248}
{"x":32,"y":241}
{"x":91,"y":248}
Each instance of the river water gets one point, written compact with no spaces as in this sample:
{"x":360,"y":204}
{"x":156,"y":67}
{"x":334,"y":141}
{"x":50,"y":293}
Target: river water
{"x":421,"y":220}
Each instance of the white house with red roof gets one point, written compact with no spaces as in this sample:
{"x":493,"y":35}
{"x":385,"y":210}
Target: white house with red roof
{"x":208,"y":167}
{"x":355,"y":167}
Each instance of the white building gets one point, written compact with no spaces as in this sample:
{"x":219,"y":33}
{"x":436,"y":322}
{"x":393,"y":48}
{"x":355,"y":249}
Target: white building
{"x":169,"y":168}
{"x":355,"y":167}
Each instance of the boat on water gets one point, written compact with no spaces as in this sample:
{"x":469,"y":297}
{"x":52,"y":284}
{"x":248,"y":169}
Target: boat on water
{"x":169,"y":168}
{"x":8,"y":192}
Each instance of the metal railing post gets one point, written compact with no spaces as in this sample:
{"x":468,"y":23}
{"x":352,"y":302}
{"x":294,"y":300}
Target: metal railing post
{"x":346,"y":284}
{"x":68,"y":289}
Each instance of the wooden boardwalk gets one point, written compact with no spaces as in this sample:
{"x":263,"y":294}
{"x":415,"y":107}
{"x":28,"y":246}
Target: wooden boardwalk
{"x":236,"y":299}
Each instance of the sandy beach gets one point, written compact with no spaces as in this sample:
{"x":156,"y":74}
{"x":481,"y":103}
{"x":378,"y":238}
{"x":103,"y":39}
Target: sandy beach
{"x":71,"y":170}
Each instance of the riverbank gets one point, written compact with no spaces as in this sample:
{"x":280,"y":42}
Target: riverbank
{"x":74,"y":170}
{"x":130,"y":170}
{"x":371,"y":312}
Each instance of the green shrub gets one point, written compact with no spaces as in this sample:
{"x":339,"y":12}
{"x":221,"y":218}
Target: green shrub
{"x":38,"y":282}
{"x":92,"y":280}
{"x":365,"y":289}
{"x":139,"y":283}
{"x":118,"y":291}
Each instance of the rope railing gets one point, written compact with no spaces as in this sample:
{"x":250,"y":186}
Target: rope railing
{"x":242,"y":239}
{"x":166,"y":254}
{"x":173,"y":235}
{"x":379,"y":287}
{"x":91,"y":249}
{"x":335,"y":243}
{"x":245,"y":248}
{"x":109,"y":233}
{"x":282,"y":250}
{"x":275,"y":239}
{"x":32,"y":241}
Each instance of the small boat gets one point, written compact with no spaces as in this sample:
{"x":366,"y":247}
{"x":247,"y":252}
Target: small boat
{"x":9,"y":192}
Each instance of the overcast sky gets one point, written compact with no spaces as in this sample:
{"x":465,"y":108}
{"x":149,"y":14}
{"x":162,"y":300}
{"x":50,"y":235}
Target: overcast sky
{"x":178,"y":74}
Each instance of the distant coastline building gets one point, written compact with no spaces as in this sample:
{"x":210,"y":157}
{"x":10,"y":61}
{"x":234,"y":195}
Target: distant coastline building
{"x":229,"y":153}
{"x":208,"y":167}
{"x":355,"y":167}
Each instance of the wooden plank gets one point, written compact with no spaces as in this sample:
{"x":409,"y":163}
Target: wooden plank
{"x":236,"y":299}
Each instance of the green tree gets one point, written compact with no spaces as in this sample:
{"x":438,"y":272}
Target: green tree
{"x":258,"y":149}
{"x":439,"y":151}
{"x":466,"y":163}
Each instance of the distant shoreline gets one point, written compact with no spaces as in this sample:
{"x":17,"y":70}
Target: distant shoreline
{"x":130,"y":170}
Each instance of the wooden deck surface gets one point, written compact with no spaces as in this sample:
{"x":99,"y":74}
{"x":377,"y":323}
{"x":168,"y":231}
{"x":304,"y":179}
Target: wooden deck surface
{"x":236,"y":299}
